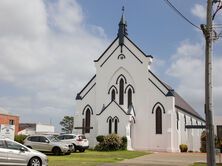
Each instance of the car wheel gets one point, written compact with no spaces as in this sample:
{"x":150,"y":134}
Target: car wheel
{"x":74,"y":148}
{"x":56,"y":151}
{"x":82,"y":150}
{"x":35,"y":161}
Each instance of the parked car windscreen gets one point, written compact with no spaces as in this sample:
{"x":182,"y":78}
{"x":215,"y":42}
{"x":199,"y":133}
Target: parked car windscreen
{"x":53,"y":138}
{"x":69,"y":136}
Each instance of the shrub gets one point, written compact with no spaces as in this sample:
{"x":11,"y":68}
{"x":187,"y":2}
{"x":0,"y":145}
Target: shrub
{"x":20,"y":138}
{"x":124,"y":143}
{"x":183,"y":148}
{"x":111,"y":142}
{"x":203,"y":142}
{"x":218,"y":144}
{"x":100,"y":138}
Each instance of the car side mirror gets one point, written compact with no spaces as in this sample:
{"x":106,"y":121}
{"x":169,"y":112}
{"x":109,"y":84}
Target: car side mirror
{"x":22,"y":149}
{"x":47,"y":141}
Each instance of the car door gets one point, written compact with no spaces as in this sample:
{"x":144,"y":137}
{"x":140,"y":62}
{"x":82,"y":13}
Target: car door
{"x":16,"y":156}
{"x":44,"y":144}
{"x":3,"y":153}
{"x":33,"y":142}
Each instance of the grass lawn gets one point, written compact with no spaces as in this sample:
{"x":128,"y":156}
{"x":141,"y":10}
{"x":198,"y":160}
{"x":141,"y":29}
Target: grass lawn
{"x":204,"y":164}
{"x":92,"y":158}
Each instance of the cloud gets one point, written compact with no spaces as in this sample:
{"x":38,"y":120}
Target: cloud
{"x":199,"y":11}
{"x":46,"y":56}
{"x":188,"y":66}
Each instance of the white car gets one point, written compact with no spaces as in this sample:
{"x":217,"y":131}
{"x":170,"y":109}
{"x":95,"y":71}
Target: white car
{"x":48,"y":143}
{"x":79,"y":141}
{"x":14,"y":153}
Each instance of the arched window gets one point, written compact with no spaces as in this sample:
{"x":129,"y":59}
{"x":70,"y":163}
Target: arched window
{"x":88,"y":114}
{"x":158,"y":121}
{"x":121,"y":91}
{"x":129,"y":97}
{"x":116,"y":126}
{"x":113,"y":95}
{"x":110,"y":126}
{"x":177,"y":120}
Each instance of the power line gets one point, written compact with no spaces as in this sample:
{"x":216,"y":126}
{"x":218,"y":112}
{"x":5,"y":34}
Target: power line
{"x":180,"y":14}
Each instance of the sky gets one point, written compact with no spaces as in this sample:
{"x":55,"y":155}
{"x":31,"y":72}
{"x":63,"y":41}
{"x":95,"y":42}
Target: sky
{"x":47,"y":48}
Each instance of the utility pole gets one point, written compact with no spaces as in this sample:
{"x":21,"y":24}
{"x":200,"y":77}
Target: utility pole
{"x":207,"y":30}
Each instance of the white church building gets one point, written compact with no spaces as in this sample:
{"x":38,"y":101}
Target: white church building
{"x":127,"y":98}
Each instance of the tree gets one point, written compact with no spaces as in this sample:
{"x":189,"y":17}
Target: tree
{"x":67,"y":124}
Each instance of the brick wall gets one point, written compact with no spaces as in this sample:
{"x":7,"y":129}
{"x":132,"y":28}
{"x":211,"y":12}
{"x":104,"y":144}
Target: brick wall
{"x":9,"y":119}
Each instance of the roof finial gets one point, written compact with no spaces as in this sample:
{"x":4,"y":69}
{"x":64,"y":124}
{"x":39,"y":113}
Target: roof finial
{"x":123,"y":10}
{"x":122,"y":28}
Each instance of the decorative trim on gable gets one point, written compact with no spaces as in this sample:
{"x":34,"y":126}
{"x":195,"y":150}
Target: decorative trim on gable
{"x":85,"y":108}
{"x":109,"y":56}
{"x":121,"y":56}
{"x":117,"y":80}
{"x":109,"y":105}
{"x":160,"y":105}
{"x":112,"y":87}
{"x":159,"y":80}
{"x":133,"y":54}
{"x":157,"y":87}
{"x":106,"y":50}
{"x":78,"y":96}
{"x":88,"y":90}
{"x":138,"y":48}
{"x":129,"y":86}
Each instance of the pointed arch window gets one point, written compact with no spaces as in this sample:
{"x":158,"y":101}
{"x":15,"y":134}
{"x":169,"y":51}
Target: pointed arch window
{"x":158,"y":121}
{"x":116,"y":126}
{"x":110,"y":126}
{"x":88,"y":116}
{"x":177,"y":120}
{"x":121,"y":92}
{"x":129,"y":97}
{"x":113,"y":95}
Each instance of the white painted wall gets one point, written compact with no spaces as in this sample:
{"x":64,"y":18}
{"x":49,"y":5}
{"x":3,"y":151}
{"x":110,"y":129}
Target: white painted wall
{"x":148,"y":91}
{"x":44,"y":128}
{"x":217,"y":122}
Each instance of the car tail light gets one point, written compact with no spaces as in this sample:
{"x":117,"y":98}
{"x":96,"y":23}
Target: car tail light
{"x":79,"y":138}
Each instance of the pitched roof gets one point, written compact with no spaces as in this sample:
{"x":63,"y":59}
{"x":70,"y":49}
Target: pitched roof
{"x":181,"y":104}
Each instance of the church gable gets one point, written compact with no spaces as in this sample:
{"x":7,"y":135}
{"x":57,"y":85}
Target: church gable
{"x":88,"y":87}
{"x":157,"y":83}
{"x":124,"y":47}
{"x":120,"y":52}
{"x":112,"y":108}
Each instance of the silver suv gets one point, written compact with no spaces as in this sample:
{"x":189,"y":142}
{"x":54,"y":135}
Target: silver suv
{"x":79,"y":141}
{"x":48,"y":143}
{"x":14,"y":153}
